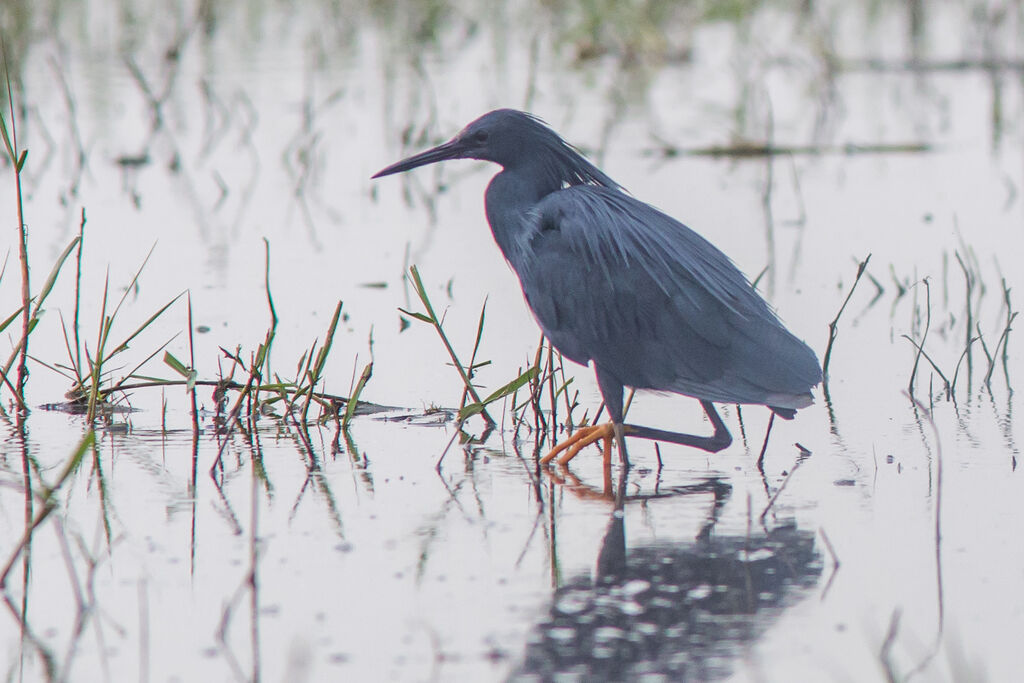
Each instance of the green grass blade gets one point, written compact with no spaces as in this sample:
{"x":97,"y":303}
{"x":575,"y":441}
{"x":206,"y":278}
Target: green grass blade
{"x":418,"y":316}
{"x":131,"y":285}
{"x":54,"y":272}
{"x":132,"y":373}
{"x":421,"y":292}
{"x":353,"y":400}
{"x":479,"y":336}
{"x":321,"y":357}
{"x":176,"y":364}
{"x":47,"y":287}
{"x":149,"y":321}
{"x":7,"y":140}
{"x":11,"y":319}
{"x":475,"y":408}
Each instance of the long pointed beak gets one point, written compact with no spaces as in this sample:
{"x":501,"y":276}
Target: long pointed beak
{"x":452,"y":149}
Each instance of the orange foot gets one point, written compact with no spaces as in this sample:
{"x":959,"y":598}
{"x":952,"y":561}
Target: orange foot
{"x":583,"y":437}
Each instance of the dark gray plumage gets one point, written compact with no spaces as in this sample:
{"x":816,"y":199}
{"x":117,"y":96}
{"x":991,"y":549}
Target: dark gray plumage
{"x":615,"y":282}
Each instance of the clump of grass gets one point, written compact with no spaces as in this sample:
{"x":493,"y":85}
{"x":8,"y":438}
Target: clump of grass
{"x":974,"y":292}
{"x":296,"y":397}
{"x":465,"y":371}
{"x":550,"y":376}
{"x":311,"y":368}
{"x":259,"y":361}
{"x":92,"y":384}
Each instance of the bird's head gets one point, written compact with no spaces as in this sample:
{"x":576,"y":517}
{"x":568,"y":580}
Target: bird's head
{"x":502,"y":136}
{"x":514,"y":140}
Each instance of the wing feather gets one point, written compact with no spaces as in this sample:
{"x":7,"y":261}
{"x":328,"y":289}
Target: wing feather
{"x":615,"y":281}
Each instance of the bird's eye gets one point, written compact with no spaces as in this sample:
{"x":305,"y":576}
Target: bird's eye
{"x":481,"y":136}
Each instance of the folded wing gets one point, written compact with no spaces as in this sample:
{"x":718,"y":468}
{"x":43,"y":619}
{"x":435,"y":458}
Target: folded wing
{"x":615,"y":281}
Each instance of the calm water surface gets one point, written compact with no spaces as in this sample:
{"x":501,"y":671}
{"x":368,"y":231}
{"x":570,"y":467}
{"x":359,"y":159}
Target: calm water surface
{"x":881,"y":538}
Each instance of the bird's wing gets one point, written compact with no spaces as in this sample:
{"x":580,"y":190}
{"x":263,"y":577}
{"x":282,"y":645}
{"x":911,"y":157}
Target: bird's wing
{"x":613,"y":280}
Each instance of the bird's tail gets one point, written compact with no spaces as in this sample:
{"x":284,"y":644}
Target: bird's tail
{"x":784,"y":413}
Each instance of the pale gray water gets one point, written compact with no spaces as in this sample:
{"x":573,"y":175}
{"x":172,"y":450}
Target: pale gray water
{"x":369,"y":565}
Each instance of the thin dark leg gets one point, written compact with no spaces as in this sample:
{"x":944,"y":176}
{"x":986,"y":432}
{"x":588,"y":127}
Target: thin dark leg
{"x":620,"y":439}
{"x":764,"y":446}
{"x":714,"y":443}
{"x":611,"y":391}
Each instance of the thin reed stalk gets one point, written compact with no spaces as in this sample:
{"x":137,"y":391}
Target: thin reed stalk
{"x":18,"y":157}
{"x":833,"y":327}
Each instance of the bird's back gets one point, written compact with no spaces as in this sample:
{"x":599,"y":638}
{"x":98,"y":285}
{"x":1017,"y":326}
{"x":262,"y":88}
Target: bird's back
{"x":615,"y":281}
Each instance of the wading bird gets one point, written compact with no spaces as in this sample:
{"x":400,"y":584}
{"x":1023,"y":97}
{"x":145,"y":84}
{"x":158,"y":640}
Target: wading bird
{"x":616,"y":283}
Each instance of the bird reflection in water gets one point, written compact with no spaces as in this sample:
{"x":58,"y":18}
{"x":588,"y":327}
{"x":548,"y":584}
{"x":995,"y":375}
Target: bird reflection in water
{"x":681,"y":611}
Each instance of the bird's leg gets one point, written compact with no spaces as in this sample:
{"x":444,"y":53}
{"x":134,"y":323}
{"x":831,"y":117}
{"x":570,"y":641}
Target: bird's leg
{"x":611,"y":390}
{"x":619,"y":431}
{"x":581,"y":438}
{"x":714,"y":443}
{"x":764,"y":446}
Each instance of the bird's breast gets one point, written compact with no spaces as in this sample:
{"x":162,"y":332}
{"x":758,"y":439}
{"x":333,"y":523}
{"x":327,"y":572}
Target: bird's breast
{"x":511,"y":208}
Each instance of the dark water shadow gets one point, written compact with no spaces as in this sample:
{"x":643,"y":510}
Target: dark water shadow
{"x":682,"y":610}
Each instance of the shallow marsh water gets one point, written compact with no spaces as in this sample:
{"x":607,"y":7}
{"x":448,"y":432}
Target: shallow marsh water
{"x":892,"y":550}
